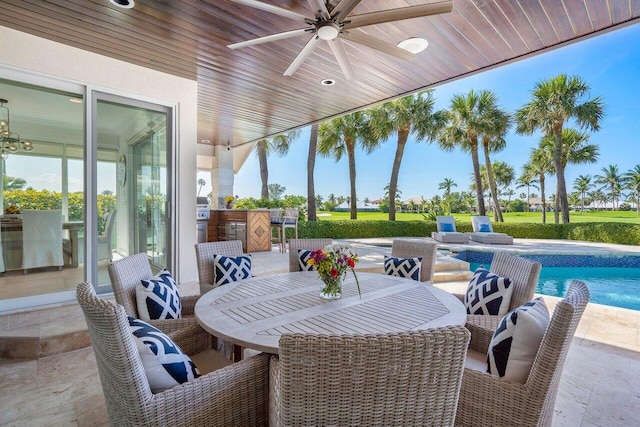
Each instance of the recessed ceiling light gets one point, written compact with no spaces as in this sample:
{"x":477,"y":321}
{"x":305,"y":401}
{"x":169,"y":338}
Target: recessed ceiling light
{"x":205,"y":141}
{"x":125,"y":4}
{"x":413,"y":44}
{"x":328,"y":82}
{"x":75,"y":100}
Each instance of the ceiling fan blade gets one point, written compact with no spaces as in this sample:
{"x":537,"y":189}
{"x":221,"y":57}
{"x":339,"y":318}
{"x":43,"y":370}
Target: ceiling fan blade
{"x":398,"y":14}
{"x":377,"y":44}
{"x":270,"y":8}
{"x":302,"y":56}
{"x":344,"y":8}
{"x":337,"y":47}
{"x":318,"y":6}
{"x":266,"y":39}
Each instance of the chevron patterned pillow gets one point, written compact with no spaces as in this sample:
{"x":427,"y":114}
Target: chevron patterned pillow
{"x":158,"y":298}
{"x":231,"y":269}
{"x":164,"y":363}
{"x":303,"y":260}
{"x":488,"y":293}
{"x":403,"y":267}
{"x":516,"y":341}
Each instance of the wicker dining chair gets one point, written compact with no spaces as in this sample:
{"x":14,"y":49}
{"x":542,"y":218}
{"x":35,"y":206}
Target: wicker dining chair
{"x":487,"y":400}
{"x":234,"y":395}
{"x":402,"y":248}
{"x":295,"y":244}
{"x":126,"y":274}
{"x":204,"y":258}
{"x":398,"y":379}
{"x":524,"y":275}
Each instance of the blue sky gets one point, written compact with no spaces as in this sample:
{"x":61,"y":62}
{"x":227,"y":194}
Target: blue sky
{"x":610,"y":65}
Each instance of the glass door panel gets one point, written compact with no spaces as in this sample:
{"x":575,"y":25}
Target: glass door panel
{"x":131,"y":183}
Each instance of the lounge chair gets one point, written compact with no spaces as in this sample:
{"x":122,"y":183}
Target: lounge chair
{"x":483,"y":232}
{"x":447,"y":231}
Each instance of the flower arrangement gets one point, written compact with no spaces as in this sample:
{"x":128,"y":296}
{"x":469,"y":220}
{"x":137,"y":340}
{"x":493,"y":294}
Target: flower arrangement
{"x":332,"y":264}
{"x":229,"y":201}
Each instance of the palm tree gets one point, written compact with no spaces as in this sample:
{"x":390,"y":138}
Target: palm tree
{"x":470,"y":117}
{"x":411,"y":115}
{"x":278,"y":145}
{"x":540,"y":163}
{"x":632,"y":182}
{"x":340,"y":136}
{"x":582,"y":184}
{"x":598,"y":197}
{"x":553,"y":103}
{"x":509,"y":192}
{"x":446,"y":185}
{"x":611,"y":179}
{"x":201,"y":183}
{"x":575,"y":150}
{"x":492,"y":142}
{"x":527,"y":180}
{"x":311,"y":164}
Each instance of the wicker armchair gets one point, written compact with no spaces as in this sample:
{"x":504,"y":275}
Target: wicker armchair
{"x":235,"y":395}
{"x":486,"y":400}
{"x":401,"y":379}
{"x":204,"y":257}
{"x":418,"y":248}
{"x":295,"y":244}
{"x":524,"y":275}
{"x":126,"y":274}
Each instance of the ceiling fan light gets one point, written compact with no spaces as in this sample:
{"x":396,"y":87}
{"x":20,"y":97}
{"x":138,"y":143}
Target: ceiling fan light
{"x":328,"y":30}
{"x":413,"y":44}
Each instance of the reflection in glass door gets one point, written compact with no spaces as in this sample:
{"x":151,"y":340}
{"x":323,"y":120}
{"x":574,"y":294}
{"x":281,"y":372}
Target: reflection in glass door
{"x":132,"y":202}
{"x":151,"y":194}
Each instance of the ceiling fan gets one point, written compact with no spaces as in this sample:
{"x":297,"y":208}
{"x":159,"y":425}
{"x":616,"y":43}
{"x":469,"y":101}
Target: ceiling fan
{"x":332,"y":23}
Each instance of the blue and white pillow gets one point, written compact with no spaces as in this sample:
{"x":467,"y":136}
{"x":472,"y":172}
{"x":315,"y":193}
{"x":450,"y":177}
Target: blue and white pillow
{"x":484,"y":228}
{"x":516,"y":341}
{"x":158,"y":298}
{"x":303,"y":260}
{"x":229,"y":269}
{"x":164,"y":363}
{"x":446,"y":227}
{"x":403,"y":267}
{"x":488,"y":293}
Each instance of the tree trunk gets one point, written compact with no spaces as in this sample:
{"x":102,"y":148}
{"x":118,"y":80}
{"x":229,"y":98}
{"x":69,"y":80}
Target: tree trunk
{"x":476,"y":174}
{"x":497,"y":212}
{"x":556,"y":206}
{"x":264,"y":172}
{"x":311,"y":163}
{"x":403,"y":134}
{"x":544,"y":202}
{"x":351,"y":155}
{"x":561,"y":194}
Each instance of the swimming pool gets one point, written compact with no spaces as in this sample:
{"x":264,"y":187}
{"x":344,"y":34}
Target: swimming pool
{"x":613,"y":281}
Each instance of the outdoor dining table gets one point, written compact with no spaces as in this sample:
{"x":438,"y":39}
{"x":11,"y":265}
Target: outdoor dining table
{"x":255,"y":312}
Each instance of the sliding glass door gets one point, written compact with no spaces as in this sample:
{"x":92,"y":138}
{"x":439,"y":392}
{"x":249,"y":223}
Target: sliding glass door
{"x":131,"y":204}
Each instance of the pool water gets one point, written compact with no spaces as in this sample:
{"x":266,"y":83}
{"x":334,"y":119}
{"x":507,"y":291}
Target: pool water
{"x":613,"y":286}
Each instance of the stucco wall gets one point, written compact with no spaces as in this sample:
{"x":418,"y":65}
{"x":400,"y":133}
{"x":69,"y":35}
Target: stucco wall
{"x":39,"y":55}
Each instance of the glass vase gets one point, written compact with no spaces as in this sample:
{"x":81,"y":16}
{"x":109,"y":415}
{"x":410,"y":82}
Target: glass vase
{"x":331,"y":287}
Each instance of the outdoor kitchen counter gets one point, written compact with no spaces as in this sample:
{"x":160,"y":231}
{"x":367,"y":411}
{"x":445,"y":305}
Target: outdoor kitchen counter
{"x":252,"y":227}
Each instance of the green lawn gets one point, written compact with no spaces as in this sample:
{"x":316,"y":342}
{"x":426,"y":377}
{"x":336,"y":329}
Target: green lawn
{"x":618,"y":216}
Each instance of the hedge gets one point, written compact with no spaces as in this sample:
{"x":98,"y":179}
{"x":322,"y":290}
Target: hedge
{"x":602,"y":232}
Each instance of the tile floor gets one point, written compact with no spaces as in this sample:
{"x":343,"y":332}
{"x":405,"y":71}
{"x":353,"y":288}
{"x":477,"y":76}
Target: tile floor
{"x":600,"y":385}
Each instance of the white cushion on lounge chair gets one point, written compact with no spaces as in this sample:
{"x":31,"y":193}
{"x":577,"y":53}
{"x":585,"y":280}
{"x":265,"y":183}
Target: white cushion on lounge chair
{"x":448,"y":236}
{"x":490,"y":237}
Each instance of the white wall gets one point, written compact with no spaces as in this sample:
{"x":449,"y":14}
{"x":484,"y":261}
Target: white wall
{"x":43,"y":56}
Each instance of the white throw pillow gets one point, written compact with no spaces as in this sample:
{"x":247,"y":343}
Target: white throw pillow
{"x":488,"y":294}
{"x":158,"y":298}
{"x":164,"y":363}
{"x":516,"y":341}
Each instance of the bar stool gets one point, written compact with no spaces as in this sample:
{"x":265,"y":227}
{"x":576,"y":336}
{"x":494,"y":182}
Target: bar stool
{"x":275,"y":216}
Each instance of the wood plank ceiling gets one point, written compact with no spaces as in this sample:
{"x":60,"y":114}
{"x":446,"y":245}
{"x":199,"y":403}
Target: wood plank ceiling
{"x":242,"y":94}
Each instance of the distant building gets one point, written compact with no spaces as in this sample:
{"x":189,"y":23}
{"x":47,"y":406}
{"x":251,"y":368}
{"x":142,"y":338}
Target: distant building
{"x":361,"y":207}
